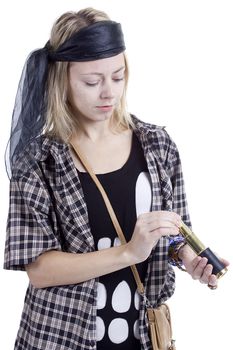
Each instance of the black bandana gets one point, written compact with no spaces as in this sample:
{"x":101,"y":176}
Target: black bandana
{"x":99,"y":40}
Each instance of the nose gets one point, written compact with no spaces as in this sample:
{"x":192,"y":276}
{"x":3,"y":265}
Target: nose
{"x":107,"y":90}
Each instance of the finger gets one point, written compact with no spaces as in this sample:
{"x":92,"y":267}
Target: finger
{"x":169,"y":215}
{"x":195,"y":262}
{"x":199,"y":269}
{"x":165,"y":231}
{"x":206,"y":274}
{"x":213,"y":281}
{"x":159,"y":223}
{"x":225,"y":262}
{"x":166,"y":216}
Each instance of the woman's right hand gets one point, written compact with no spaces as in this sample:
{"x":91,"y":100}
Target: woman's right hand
{"x":149,"y":228}
{"x":55,"y":268}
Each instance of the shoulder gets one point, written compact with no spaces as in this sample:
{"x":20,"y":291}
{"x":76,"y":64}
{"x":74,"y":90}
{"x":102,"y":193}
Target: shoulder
{"x":155,"y":137}
{"x":42,"y":150}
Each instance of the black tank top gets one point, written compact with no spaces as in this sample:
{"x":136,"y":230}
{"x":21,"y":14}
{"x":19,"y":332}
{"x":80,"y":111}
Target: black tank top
{"x":129,"y":191}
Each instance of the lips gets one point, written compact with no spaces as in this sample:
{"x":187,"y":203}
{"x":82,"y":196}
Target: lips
{"x":104,"y":108}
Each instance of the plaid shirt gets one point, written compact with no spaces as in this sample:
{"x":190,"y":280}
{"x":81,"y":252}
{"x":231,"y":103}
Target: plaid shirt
{"x":48,"y":212}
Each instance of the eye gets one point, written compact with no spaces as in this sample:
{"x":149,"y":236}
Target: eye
{"x":118,"y":79}
{"x":91,"y":83}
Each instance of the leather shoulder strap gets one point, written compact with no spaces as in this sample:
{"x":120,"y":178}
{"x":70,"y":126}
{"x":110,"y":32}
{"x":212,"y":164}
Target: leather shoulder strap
{"x":111,"y":212}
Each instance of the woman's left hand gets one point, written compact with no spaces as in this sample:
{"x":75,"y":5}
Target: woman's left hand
{"x":198,"y":267}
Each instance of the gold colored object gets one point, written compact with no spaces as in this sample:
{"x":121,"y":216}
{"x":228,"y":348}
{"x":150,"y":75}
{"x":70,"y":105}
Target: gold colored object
{"x":212,"y":287}
{"x":192,"y":239}
{"x":221,"y":273}
{"x":218,"y":267}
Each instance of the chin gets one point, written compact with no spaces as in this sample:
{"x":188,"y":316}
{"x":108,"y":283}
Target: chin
{"x":102,"y":116}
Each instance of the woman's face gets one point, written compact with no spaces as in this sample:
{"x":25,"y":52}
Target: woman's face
{"x":96,"y":87}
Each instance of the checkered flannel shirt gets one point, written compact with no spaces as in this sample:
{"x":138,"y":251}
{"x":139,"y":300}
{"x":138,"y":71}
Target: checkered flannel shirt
{"x":48,"y":212}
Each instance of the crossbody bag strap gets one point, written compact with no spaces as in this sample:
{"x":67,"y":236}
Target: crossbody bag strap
{"x":111,"y":212}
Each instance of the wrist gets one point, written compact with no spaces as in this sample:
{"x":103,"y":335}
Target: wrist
{"x":134,"y":256}
{"x":127,"y":255}
{"x":185,"y":251}
{"x":181,"y":251}
{"x":175,"y":256}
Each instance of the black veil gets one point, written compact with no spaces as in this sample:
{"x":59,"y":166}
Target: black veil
{"x":97,"y":41}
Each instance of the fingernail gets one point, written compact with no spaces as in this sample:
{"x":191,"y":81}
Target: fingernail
{"x":204,"y":261}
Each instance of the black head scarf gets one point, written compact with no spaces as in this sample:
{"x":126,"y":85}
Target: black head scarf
{"x":97,"y":41}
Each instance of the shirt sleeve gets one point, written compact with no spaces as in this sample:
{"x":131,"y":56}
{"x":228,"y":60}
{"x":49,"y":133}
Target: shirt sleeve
{"x":175,"y":173}
{"x":29,"y":226}
{"x":179,"y":202}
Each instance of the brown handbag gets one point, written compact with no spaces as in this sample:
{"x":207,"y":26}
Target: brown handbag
{"x":160,"y":328}
{"x":159,"y":319}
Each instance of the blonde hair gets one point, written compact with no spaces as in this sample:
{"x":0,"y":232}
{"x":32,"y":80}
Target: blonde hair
{"x":60,"y":120}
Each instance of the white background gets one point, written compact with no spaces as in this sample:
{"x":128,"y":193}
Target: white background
{"x":181,"y":59}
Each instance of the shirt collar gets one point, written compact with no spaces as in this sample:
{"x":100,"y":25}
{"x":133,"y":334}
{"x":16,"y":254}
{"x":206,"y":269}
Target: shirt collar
{"x":143,"y":127}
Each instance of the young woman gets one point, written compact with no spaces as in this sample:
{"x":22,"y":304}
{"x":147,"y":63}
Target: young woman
{"x":82,"y":294}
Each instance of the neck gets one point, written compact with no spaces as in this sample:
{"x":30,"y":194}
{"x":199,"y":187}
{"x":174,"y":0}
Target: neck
{"x":97,"y":131}
{"x":94,"y":131}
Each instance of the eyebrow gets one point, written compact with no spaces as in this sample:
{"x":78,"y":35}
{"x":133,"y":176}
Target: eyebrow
{"x":97,"y":73}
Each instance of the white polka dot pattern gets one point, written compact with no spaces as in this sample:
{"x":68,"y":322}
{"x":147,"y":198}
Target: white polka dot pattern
{"x":143,"y":195}
{"x":100,"y":328}
{"x":118,"y":330}
{"x":136,"y":330}
{"x":136,"y":300}
{"x":117,"y":242}
{"x":102,"y":296}
{"x":104,"y":243}
{"x":121,"y":298}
